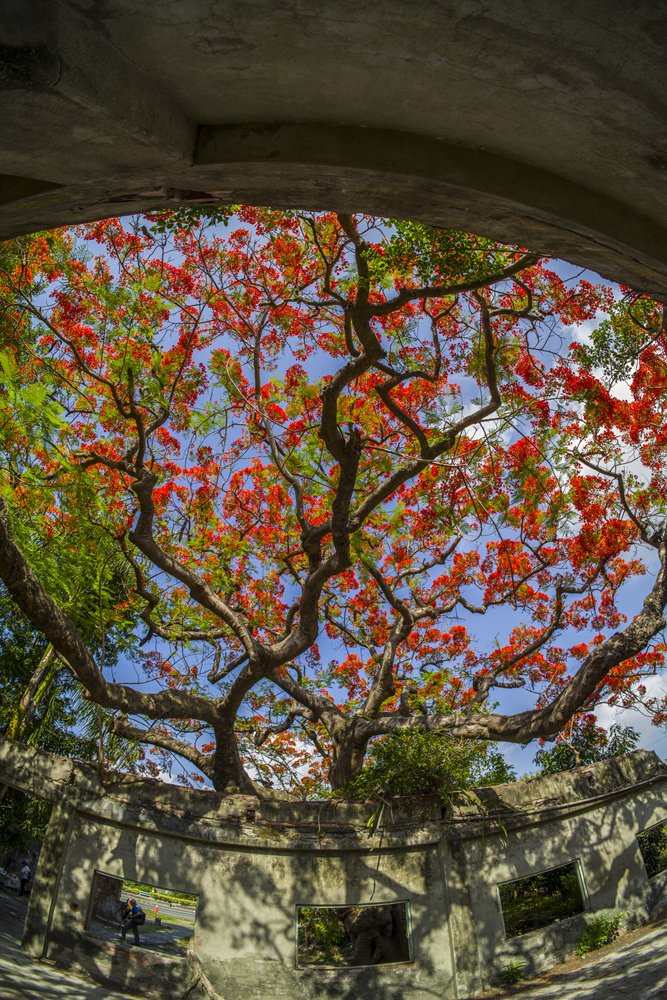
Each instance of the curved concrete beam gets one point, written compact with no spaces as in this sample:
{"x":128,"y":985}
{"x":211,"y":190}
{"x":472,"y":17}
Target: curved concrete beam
{"x":536,"y":123}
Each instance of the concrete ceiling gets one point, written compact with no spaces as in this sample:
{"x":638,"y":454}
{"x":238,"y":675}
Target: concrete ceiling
{"x":536,"y":122}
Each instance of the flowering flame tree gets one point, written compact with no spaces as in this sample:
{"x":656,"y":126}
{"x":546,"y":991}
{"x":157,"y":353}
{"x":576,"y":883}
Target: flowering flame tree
{"x":363,"y":481}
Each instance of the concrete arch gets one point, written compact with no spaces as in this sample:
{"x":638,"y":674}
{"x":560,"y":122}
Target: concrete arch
{"x":537,"y":123}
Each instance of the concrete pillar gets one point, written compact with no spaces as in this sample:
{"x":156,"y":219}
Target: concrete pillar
{"x":45,"y":889}
{"x":462,"y":928}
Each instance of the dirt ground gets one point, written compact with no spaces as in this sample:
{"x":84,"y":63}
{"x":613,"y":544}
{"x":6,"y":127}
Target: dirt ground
{"x":634,"y":967}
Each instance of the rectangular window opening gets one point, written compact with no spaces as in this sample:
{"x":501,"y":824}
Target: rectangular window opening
{"x":653,"y":847}
{"x":536,"y":901}
{"x":169,"y":920}
{"x":351,"y":936}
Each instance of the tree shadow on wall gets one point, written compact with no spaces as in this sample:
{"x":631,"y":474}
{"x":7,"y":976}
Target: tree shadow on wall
{"x":362,"y":881}
{"x":601,"y":839}
{"x":246,"y":921}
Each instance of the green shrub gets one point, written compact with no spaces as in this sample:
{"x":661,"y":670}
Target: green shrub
{"x":409,"y":762}
{"x":601,"y":930}
{"x":539,"y":900}
{"x":512,"y":973}
{"x":322,"y":935}
{"x":159,"y":894}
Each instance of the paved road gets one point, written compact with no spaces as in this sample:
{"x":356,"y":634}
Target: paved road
{"x":635,"y":968}
{"x":148,"y":903}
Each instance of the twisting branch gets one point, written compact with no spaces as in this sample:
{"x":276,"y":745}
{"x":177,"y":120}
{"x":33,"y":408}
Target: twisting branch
{"x":548,"y":721}
{"x":47,"y":616}
{"x":292,"y":481}
{"x":121,"y":726}
{"x":650,"y":539}
{"x":448,"y":441}
{"x":383,"y":686}
{"x":483,"y":684}
{"x":349,"y":227}
{"x":171,"y":633}
{"x":142,"y":537}
{"x":455,"y":288}
{"x":294,"y":712}
{"x":384,"y":392}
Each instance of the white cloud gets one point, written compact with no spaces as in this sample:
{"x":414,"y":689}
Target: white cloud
{"x":582,"y":332}
{"x":650,"y":737}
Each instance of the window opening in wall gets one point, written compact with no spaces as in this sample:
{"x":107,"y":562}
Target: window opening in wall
{"x":353,"y":935}
{"x":653,"y":847}
{"x":169,"y":914}
{"x":23,"y":823}
{"x":542,"y":899}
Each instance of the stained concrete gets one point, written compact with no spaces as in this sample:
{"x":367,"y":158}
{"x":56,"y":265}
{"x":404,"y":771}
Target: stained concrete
{"x":635,"y":965}
{"x":537,"y":123}
{"x":252,"y":863}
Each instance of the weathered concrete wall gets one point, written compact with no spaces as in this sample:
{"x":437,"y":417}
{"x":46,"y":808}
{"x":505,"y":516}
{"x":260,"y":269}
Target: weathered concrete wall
{"x":253,"y":863}
{"x":534,"y":122}
{"x":591,"y":815}
{"x":246,"y":923}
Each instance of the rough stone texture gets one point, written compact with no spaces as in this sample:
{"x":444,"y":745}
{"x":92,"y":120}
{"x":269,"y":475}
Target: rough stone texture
{"x":534,"y":122}
{"x":253,"y":863}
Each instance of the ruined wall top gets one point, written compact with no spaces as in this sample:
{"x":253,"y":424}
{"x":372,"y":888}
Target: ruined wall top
{"x":535,"y":799}
{"x":327,"y":825}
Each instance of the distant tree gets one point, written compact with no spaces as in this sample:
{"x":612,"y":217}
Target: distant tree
{"x":588,"y":744}
{"x":41,"y":698}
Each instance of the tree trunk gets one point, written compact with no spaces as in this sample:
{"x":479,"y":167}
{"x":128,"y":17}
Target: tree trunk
{"x":229,"y":775}
{"x":348,"y":758}
{"x":36,"y":688}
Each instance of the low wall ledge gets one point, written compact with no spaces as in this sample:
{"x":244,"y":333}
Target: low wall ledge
{"x":331,"y":825}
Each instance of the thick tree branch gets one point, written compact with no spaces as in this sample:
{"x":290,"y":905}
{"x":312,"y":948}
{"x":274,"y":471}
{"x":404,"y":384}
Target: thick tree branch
{"x":447,"y":442}
{"x":548,"y":721}
{"x":47,"y":616}
{"x":121,"y":726}
{"x":455,"y":288}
